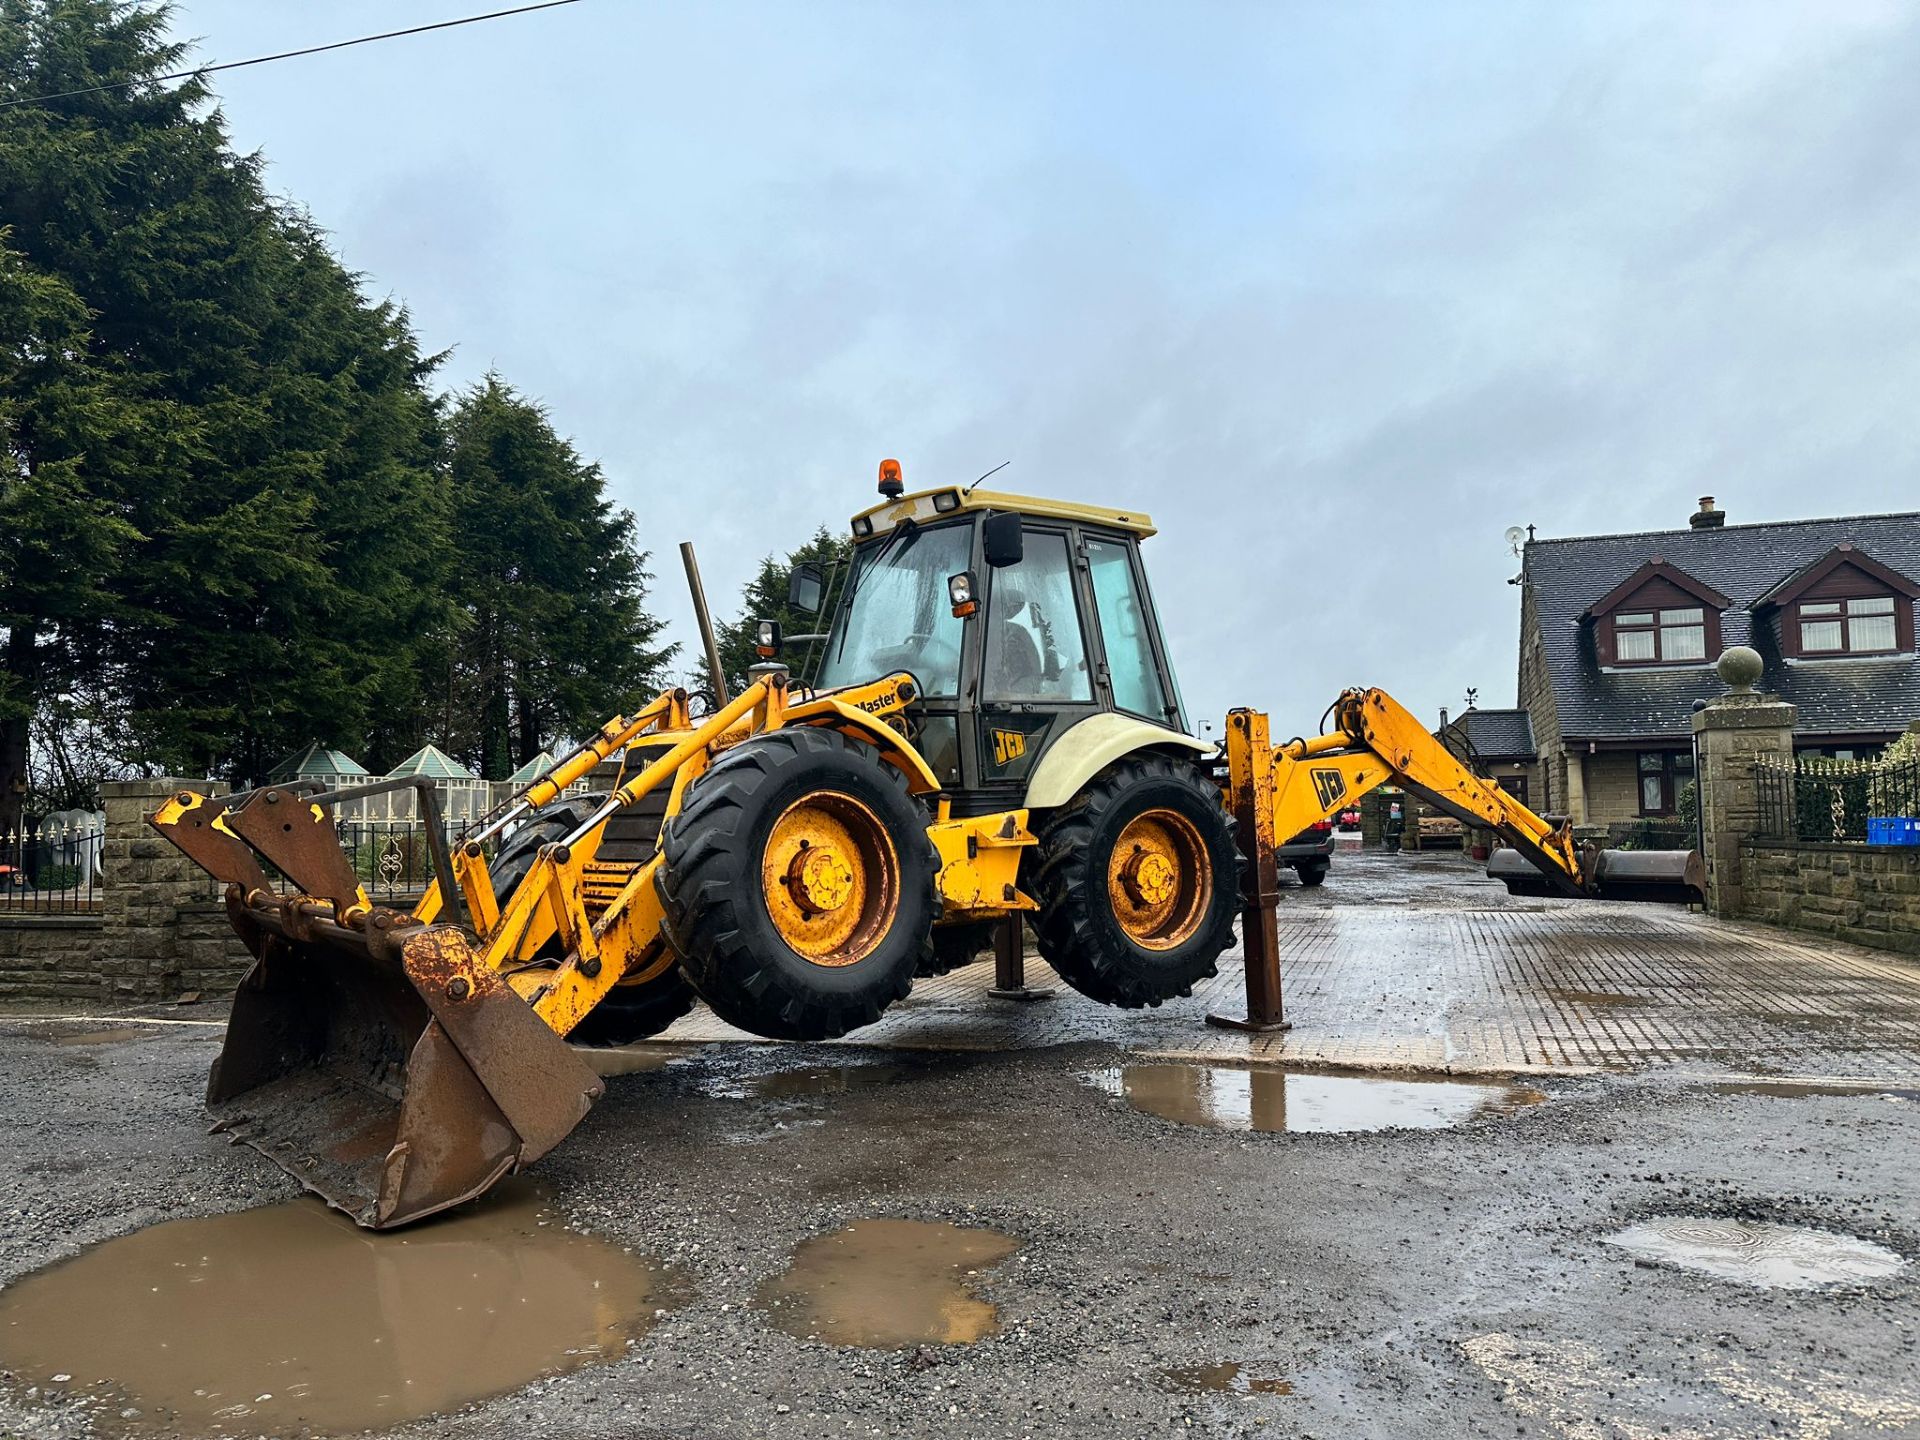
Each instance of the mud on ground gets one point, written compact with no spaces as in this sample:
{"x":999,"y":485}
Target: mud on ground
{"x":1440,"y":1282}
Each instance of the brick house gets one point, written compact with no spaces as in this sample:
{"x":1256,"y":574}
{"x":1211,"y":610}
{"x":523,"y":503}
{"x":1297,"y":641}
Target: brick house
{"x":1618,"y":635}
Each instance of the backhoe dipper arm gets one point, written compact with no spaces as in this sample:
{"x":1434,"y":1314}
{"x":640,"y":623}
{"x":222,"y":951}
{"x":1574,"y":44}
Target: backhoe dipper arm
{"x":1375,"y":741}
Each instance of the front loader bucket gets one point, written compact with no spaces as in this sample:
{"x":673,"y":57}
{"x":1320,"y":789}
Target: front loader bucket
{"x":1677,"y":876}
{"x":391,"y":1087}
{"x":1674,"y":876}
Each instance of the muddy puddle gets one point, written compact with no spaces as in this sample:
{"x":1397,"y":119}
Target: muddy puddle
{"x":1224,"y":1376}
{"x":809,"y":1083}
{"x":100,"y":1037}
{"x":290,"y":1318}
{"x":1757,"y":1253}
{"x":1806,"y":1089}
{"x":885,"y":1284}
{"x":1227,"y":1097}
{"x":629,"y":1059}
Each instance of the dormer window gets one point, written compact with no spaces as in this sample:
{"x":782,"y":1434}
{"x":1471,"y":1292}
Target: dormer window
{"x":1659,"y":615}
{"x":1845,"y":603}
{"x":1863,"y":626}
{"x":1660,"y":637}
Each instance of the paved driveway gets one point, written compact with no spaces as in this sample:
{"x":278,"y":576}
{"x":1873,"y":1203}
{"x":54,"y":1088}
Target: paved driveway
{"x":1420,"y":961}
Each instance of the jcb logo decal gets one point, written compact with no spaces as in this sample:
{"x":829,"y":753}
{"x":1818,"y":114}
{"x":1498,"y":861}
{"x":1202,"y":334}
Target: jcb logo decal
{"x":1008,"y":745}
{"x":1329,"y":785}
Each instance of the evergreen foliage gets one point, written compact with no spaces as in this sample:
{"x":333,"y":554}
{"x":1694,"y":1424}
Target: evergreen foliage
{"x":764,"y":597}
{"x":550,"y":586}
{"x":232,"y":511}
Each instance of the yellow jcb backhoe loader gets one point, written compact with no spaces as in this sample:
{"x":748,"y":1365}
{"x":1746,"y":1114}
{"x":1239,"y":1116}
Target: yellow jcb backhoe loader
{"x":995,"y":732}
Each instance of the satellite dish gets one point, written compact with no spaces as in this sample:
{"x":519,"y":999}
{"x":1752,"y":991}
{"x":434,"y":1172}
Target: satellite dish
{"x":1515,"y":535}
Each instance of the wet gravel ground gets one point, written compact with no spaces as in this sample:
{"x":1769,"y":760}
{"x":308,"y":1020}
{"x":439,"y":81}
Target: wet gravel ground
{"x":1429,"y":1283}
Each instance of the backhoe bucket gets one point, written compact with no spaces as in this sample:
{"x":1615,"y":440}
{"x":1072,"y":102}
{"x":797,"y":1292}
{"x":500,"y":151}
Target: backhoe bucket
{"x":1673,"y":876}
{"x":392,"y":1079}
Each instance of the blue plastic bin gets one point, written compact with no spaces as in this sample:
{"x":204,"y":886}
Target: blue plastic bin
{"x":1893,"y":830}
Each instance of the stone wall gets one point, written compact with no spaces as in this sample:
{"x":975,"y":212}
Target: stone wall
{"x":1612,"y":786}
{"x":50,"y":957}
{"x":159,"y":935}
{"x":1866,"y":894}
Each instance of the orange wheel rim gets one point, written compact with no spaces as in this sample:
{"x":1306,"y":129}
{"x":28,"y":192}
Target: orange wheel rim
{"x":830,"y":879}
{"x":1159,"y":881}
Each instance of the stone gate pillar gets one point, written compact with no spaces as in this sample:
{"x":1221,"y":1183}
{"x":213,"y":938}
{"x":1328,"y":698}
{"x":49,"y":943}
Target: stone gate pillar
{"x":1734,"y":732}
{"x":145,"y":882}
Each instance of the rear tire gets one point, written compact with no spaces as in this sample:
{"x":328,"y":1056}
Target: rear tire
{"x":1311,"y":873}
{"x":1179,"y":914}
{"x":849,"y":935}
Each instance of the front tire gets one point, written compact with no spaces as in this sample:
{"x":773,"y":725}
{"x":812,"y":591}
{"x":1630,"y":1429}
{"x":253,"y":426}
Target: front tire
{"x":1135,"y":880}
{"x":798,"y":885}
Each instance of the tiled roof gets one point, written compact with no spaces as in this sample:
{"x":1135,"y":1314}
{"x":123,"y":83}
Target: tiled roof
{"x":316,"y":762}
{"x":532,"y":770}
{"x":431,"y":762}
{"x":1744,"y":562}
{"x":1495,"y":734}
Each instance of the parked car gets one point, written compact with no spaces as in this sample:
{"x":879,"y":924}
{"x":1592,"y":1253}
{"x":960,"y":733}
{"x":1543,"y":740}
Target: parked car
{"x":1310,"y":853}
{"x":1347,"y":820}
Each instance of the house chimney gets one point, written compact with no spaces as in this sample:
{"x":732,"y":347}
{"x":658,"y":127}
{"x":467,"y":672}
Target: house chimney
{"x":1706,"y":517}
{"x":1443,"y":717}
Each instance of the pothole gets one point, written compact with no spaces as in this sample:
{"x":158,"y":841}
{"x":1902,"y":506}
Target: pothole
{"x":1228,"y":1097}
{"x":1807,"y":1089}
{"x":291,"y":1317}
{"x":629,"y":1059}
{"x":885,"y":1284}
{"x":808,"y":1083}
{"x":1224,"y":1375}
{"x":1757,"y":1252}
{"x":100,"y":1037}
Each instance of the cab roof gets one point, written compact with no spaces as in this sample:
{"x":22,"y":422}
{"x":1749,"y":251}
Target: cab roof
{"x":925,"y":505}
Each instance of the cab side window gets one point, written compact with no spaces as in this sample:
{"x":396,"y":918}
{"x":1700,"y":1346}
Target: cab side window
{"x":1034,"y":646}
{"x":1123,"y":629}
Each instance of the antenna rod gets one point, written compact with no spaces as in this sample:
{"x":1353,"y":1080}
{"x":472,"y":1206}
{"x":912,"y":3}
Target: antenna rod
{"x":995,"y":471}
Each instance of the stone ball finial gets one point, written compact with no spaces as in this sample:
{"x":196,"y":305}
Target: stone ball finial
{"x":1740,"y":666}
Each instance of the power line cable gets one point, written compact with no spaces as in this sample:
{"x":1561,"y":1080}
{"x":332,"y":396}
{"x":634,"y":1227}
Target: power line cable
{"x":288,"y":54}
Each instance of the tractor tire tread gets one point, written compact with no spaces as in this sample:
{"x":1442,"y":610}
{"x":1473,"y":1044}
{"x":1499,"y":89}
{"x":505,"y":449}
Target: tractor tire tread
{"x":1105,"y":966}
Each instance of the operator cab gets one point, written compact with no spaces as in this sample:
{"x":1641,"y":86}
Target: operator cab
{"x":1018,"y":618}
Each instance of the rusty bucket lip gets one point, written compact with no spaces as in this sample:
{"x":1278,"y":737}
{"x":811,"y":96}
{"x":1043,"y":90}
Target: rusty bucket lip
{"x":353,"y":1067}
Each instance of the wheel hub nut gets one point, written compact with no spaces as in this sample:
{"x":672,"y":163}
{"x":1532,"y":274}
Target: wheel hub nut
{"x":1149,"y":878}
{"x":819,"y":880}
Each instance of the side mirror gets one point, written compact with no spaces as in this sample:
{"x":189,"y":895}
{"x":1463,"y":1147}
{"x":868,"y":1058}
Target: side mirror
{"x":807,"y":589}
{"x":1003,"y":540}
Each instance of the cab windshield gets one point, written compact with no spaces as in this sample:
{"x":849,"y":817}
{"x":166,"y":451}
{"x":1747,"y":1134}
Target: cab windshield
{"x":899,"y":617}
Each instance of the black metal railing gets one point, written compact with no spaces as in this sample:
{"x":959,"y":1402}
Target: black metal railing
{"x":1651,"y":833}
{"x":51,"y":869}
{"x":394,"y":858}
{"x":1834,"y":800}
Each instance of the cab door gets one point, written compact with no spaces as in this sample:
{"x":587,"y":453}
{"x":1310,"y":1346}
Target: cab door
{"x":1037,"y":666}
{"x":1133,"y":667}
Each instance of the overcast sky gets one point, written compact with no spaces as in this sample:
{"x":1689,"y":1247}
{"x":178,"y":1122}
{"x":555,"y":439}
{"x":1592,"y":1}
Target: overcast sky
{"x":1336,"y":292}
